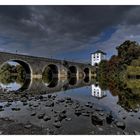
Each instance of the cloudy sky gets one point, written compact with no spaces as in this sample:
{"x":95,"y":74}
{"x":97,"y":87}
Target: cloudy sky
{"x":67,"y":32}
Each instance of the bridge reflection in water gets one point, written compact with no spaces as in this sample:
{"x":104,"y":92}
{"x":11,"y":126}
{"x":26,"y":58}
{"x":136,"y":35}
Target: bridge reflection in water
{"x":40,"y":85}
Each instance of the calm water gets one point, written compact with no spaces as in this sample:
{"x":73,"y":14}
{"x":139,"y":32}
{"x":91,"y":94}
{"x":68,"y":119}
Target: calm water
{"x":83,"y":92}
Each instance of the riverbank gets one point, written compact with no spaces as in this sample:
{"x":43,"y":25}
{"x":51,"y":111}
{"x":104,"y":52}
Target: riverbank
{"x":51,"y":114}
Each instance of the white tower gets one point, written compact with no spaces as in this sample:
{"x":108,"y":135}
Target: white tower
{"x":96,"y":57}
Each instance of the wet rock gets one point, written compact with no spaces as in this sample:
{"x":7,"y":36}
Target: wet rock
{"x":41,"y":97}
{"x":53,"y":97}
{"x":97,"y":119}
{"x":64,"y":111}
{"x":86,"y":114}
{"x":1,"y":109}
{"x":109,"y":118}
{"x":126,"y":133}
{"x":68,"y":98}
{"x":89,"y":104}
{"x":118,"y":133}
{"x":62,"y":116}
{"x":78,"y":112}
{"x":49,"y":131}
{"x":1,"y":106}
{"x":57,"y":119}
{"x":57,"y":124}
{"x":46,"y":118}
{"x":120,"y":125}
{"x":68,"y":119}
{"x":33,"y":113}
{"x":40,"y":116}
{"x":10,"y":100}
{"x":101,"y":113}
{"x":15,"y":109}
{"x":98,"y":109}
{"x":136,"y":109}
{"x":8,"y":104}
{"x":49,"y":104}
{"x":23,"y":99}
{"x":25,"y":103}
{"x":28,"y":126}
{"x":100,"y":129}
{"x":136,"y":132}
{"x":1,"y":132}
{"x":49,"y":96}
{"x":37,"y":97}
{"x":92,"y":132}
{"x":30,"y":104}
{"x":60,"y":100}
{"x":124,"y":117}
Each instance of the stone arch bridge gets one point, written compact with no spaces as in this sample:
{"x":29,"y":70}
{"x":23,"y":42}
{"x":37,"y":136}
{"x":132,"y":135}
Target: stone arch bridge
{"x":34,"y":66}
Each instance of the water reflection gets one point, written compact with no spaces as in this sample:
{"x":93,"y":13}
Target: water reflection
{"x":12,"y":76}
{"x":10,"y":80}
{"x":97,"y":91}
{"x":73,"y":81}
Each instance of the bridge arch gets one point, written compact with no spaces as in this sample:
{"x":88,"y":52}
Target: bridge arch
{"x":86,"y":71}
{"x":72,"y":71}
{"x":50,"y":75}
{"x":28,"y":73}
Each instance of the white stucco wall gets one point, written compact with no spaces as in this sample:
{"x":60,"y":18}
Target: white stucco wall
{"x":97,"y":92}
{"x":96,"y":58}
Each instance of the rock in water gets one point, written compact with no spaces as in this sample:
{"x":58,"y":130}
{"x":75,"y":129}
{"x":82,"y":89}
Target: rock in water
{"x":46,"y":118}
{"x":78,"y":112}
{"x":28,"y":126}
{"x":136,"y":132}
{"x":120,"y":125}
{"x":40,"y":116}
{"x":97,"y":119}
{"x":33,"y":113}
{"x":57,"y":124}
{"x":49,"y":104}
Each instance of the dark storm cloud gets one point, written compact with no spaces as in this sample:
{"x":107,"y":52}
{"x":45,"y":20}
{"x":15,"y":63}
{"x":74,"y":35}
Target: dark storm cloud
{"x":48,"y":30}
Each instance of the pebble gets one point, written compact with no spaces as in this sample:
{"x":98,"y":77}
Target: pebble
{"x":89,"y":104}
{"x":136,"y":132}
{"x":78,"y":112}
{"x":1,"y":132}
{"x":96,"y":119}
{"x":15,"y":109}
{"x":100,"y":129}
{"x":57,"y":124}
{"x":1,"y":106}
{"x":68,"y":119}
{"x":49,"y":104}
{"x":60,"y":100}
{"x":126,"y":133}
{"x":49,"y":96}
{"x":40,"y":116}
{"x":1,"y":109}
{"x":25,"y":103}
{"x":28,"y":126}
{"x":33,"y":113}
{"x":86,"y":114}
{"x":46,"y":118}
{"x":120,"y":125}
{"x":101,"y":113}
{"x":8,"y":104}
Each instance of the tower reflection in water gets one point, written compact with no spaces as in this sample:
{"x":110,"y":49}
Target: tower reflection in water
{"x":97,"y":91}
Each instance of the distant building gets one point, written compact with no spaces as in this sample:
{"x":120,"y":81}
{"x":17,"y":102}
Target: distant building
{"x":97,"y":91}
{"x":96,"y":57}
